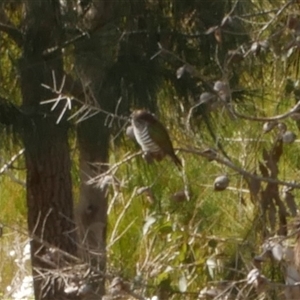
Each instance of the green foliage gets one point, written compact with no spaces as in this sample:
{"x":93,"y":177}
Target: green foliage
{"x":169,"y":227}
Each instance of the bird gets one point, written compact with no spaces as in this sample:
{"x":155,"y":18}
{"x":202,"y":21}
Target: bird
{"x":152,"y":136}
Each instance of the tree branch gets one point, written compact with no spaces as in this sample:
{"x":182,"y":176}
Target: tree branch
{"x":285,"y":115}
{"x":211,"y":155}
{"x":11,"y":161}
{"x":13,"y":33}
{"x":7,"y":27}
{"x":279,"y":12}
{"x":8,"y":112}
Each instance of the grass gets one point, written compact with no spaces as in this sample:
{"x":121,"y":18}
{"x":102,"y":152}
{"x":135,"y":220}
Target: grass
{"x":225,"y":226}
{"x":161,"y":243}
{"x":220,"y":227}
{"x":13,"y":213}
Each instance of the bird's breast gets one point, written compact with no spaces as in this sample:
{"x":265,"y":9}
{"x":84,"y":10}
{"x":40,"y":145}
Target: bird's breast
{"x":144,"y":139}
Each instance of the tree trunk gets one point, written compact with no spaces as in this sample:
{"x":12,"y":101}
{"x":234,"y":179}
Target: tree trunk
{"x":93,"y":57}
{"x":92,"y":208}
{"x":49,"y":188}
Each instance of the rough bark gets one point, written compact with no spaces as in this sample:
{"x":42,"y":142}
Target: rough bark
{"x":49,"y":188}
{"x":91,"y":212}
{"x":93,"y":58}
{"x":92,"y":208}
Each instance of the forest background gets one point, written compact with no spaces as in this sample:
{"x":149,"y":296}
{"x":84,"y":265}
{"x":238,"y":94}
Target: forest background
{"x":83,"y":215}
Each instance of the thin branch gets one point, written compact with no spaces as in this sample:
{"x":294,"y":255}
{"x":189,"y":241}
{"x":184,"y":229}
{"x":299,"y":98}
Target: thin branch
{"x":213,"y":155}
{"x":279,"y":12}
{"x":15,"y":179}
{"x":274,"y":118}
{"x":11,"y":161}
{"x":13,"y":33}
{"x":232,"y":10}
{"x":230,"y":108}
{"x":62,"y":93}
{"x":113,"y":168}
{"x":7,"y":27}
{"x":260,"y":13}
{"x":66,"y":43}
{"x":115,"y":239}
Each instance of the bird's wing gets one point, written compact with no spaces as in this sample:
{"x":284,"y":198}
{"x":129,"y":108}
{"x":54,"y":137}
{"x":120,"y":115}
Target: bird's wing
{"x":160,"y":136}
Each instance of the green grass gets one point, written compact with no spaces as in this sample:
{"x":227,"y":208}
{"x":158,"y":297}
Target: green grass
{"x":226,"y":227}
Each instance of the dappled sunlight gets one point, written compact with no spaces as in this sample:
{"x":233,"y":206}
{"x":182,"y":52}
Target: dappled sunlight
{"x":173,"y":127}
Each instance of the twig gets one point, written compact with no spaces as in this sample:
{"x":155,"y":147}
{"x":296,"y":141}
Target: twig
{"x":86,"y":111}
{"x":279,"y":12}
{"x":241,"y":171}
{"x":15,"y":179}
{"x":260,"y":13}
{"x":11,"y":161}
{"x":7,"y":27}
{"x":120,"y":216}
{"x":66,"y":43}
{"x":113,"y":168}
{"x":122,"y":233}
{"x":230,"y":108}
{"x":265,"y":119}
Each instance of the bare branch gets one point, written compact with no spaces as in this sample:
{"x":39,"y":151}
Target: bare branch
{"x":7,"y":27}
{"x":114,"y":237}
{"x":88,"y":108}
{"x":230,"y":108}
{"x":234,"y":167}
{"x":279,"y":12}
{"x":274,"y":118}
{"x":15,"y":179}
{"x":97,"y":180}
{"x":11,"y":161}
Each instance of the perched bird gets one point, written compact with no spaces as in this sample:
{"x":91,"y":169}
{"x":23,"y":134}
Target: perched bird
{"x":152,"y":136}
{"x":130,"y":133}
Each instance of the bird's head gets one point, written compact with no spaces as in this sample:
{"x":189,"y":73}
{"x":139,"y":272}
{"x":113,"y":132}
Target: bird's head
{"x":141,"y":116}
